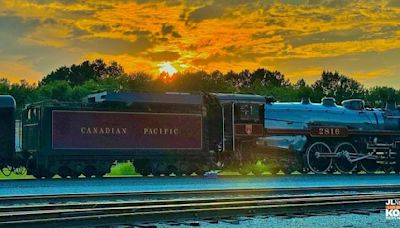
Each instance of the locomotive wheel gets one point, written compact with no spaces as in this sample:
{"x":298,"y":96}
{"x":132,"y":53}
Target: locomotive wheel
{"x":397,"y":169}
{"x":304,"y":170}
{"x":369,"y":165}
{"x":345,"y":151}
{"x":387,"y":169}
{"x":316,"y":163}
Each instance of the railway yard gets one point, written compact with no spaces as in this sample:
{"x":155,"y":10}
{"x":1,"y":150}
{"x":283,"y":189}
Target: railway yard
{"x":200,"y":201}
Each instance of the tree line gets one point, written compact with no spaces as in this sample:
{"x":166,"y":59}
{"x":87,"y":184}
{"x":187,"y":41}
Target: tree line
{"x":79,"y":80}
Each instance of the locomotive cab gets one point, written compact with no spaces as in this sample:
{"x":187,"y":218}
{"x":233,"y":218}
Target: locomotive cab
{"x":242,"y":118}
{"x":7,"y":126}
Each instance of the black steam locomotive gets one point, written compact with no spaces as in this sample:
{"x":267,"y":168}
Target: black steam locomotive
{"x":181,"y":134}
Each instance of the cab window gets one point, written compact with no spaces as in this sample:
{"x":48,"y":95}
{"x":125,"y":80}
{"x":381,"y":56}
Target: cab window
{"x":248,"y":113}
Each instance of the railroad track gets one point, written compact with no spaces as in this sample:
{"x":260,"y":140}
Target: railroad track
{"x":209,"y":204}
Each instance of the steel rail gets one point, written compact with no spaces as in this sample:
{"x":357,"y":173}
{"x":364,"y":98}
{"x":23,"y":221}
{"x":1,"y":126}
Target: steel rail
{"x":149,"y":210}
{"x":59,"y":198}
{"x":101,"y":205}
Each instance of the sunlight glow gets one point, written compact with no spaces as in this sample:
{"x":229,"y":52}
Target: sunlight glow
{"x":167,"y":67}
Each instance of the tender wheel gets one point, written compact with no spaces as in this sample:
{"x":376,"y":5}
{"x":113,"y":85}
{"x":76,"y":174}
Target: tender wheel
{"x":287,"y":170}
{"x":158,"y":168}
{"x":89,"y":171}
{"x":257,"y":172}
{"x":257,"y":168}
{"x":345,"y":151}
{"x":64,"y":171}
{"x":200,"y":172}
{"x":315,"y":161}
{"x":143,"y":167}
{"x":273,"y":169}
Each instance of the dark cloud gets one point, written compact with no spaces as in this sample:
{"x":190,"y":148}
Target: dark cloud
{"x":163,"y":56}
{"x":394,"y":3}
{"x":166,"y":29}
{"x":355,"y":34}
{"x":169,"y":29}
{"x":206,"y":12}
{"x":100,"y":28}
{"x":167,"y":2}
{"x":64,"y":2}
{"x":137,"y":32}
{"x":12,"y":29}
{"x":77,"y":32}
{"x":356,"y":62}
{"x":262,"y":35}
{"x":233,"y":55}
{"x":217,"y":9}
{"x":16,"y":25}
{"x":114,"y":46}
{"x":326,"y":3}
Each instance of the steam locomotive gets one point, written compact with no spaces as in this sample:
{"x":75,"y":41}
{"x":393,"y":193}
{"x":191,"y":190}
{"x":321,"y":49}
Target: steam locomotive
{"x":182,"y":134}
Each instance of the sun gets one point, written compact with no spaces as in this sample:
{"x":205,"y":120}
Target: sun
{"x":167,"y":67}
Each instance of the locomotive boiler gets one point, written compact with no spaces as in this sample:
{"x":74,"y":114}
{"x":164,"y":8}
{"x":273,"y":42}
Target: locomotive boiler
{"x":326,"y":137}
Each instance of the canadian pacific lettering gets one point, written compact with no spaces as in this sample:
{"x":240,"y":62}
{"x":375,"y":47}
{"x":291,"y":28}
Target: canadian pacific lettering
{"x":103,"y":131}
{"x":160,"y":131}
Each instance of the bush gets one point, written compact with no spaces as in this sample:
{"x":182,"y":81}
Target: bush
{"x":123,"y":169}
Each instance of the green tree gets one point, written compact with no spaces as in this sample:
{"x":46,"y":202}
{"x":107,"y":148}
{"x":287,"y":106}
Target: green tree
{"x":57,"y":90}
{"x":4,"y":86}
{"x":86,"y":71}
{"x":269,"y":78}
{"x":378,"y":96}
{"x":23,"y":93}
{"x":338,"y":86}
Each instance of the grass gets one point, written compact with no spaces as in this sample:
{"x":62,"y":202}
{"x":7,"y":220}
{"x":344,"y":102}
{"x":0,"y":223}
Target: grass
{"x":15,"y":176}
{"x":122,"y":169}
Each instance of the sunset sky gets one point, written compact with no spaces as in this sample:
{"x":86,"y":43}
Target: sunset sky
{"x":300,"y":38}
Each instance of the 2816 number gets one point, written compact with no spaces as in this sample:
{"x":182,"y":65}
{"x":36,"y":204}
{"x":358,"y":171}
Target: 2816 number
{"x":329,"y":131}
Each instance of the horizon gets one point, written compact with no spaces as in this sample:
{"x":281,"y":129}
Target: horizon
{"x":300,"y":39}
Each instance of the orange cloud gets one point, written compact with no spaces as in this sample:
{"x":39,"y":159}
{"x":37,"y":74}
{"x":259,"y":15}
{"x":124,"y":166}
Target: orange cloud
{"x":207,"y":35}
